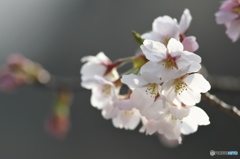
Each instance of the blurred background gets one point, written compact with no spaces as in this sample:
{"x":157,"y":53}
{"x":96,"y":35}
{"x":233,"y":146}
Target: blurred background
{"x":57,"y":33}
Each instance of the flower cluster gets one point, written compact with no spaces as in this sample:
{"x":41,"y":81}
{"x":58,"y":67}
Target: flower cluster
{"x":229,"y":14}
{"x":164,"y":84}
{"x":19,"y":71}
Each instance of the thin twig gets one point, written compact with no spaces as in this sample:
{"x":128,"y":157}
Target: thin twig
{"x":214,"y":101}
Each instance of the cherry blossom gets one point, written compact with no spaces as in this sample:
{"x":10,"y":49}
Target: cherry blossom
{"x":145,"y":95}
{"x":229,"y":14}
{"x":172,"y":128}
{"x":164,"y":62}
{"x":96,"y":66}
{"x":186,"y":89}
{"x":164,"y":28}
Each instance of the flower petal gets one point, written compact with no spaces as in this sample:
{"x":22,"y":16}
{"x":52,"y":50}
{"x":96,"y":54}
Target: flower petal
{"x":190,"y":44}
{"x":174,"y":45}
{"x":197,"y":82}
{"x":154,"y":51}
{"x":133,"y":81}
{"x":185,"y":21}
{"x":166,"y":27}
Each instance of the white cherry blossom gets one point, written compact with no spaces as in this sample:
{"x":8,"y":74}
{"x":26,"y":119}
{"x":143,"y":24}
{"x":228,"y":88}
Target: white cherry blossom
{"x":104,"y":93}
{"x":164,"y":28}
{"x":185,"y":90}
{"x":96,"y":65}
{"x":172,"y":128}
{"x":164,"y":62}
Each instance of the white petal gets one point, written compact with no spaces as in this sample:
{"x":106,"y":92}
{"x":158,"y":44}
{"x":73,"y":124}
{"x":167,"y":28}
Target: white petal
{"x":151,"y":36}
{"x":149,"y":72}
{"x":166,"y":26}
{"x":141,"y":99}
{"x":164,"y":73}
{"x":168,"y":91}
{"x":186,"y":59}
{"x":190,"y":44}
{"x":189,"y":97}
{"x":155,"y":110}
{"x":110,"y":111}
{"x":99,"y":58}
{"x":89,"y":84}
{"x":125,"y":104}
{"x":154,"y":51}
{"x":89,"y":70}
{"x":179,"y":112}
{"x":197,"y":82}
{"x":127,"y":120}
{"x":133,"y":81}
{"x":185,"y":21}
{"x":199,"y":116}
{"x":188,"y":126}
{"x":174,"y":45}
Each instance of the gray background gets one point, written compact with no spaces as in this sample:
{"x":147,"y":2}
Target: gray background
{"x":57,"y":33}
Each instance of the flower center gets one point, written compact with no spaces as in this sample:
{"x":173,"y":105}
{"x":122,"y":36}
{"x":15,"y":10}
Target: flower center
{"x":129,"y":112}
{"x":236,"y":9}
{"x":106,"y":89}
{"x":180,"y":86}
{"x":152,"y":90}
{"x":170,"y":62}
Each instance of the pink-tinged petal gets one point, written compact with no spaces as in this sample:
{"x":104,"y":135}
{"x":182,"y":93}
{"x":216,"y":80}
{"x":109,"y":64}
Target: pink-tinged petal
{"x":170,"y":129}
{"x":125,"y":105}
{"x":166,"y":142}
{"x":179,"y":112}
{"x":197,"y":83}
{"x":233,"y":30}
{"x":166,"y":27}
{"x":154,"y":51}
{"x":109,"y":111}
{"x":185,"y":21}
{"x":133,"y":81}
{"x":174,"y":45}
{"x":155,"y":110}
{"x":151,"y":36}
{"x":151,"y":127}
{"x":228,"y":5}
{"x":199,"y":116}
{"x":141,"y":99}
{"x":190,"y":44}
{"x":224,"y":17}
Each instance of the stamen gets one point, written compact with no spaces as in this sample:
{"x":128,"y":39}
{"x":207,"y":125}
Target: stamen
{"x":180,"y":86}
{"x":152,"y":90}
{"x":106,"y":89}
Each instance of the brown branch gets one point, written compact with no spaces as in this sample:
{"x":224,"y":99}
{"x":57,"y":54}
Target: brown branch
{"x":219,"y":104}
